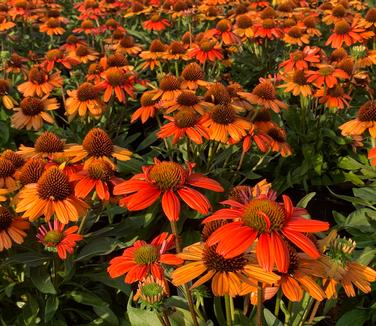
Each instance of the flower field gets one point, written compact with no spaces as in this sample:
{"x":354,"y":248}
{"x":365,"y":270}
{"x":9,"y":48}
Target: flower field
{"x":186,"y":162}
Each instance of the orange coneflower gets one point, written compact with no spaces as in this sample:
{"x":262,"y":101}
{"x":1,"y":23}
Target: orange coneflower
{"x":152,"y":57}
{"x":326,"y":75}
{"x":117,"y":59}
{"x":143,"y":259}
{"x":169,"y":88}
{"x":148,"y":108}
{"x":193,"y":77}
{"x":223,"y":31}
{"x":72,"y":43}
{"x":336,"y":14}
{"x":264,"y":94}
{"x":127,"y":45}
{"x":97,"y":145}
{"x":52,"y":27}
{"x":7,"y":170}
{"x":156,"y":23}
{"x":311,"y":23}
{"x":296,"y":35}
{"x":56,"y":238}
{"x":224,"y":124}
{"x":15,"y":65}
{"x":5,"y":24}
{"x":40,"y":83}
{"x":186,"y":100}
{"x":335,"y":97}
{"x":296,"y":83}
{"x":270,"y":222}
{"x":17,"y":160}
{"x":365,"y":120}
{"x":348,"y":34}
{"x":53,"y":194}
{"x":262,"y":140}
{"x":137,"y":8}
{"x":364,"y":57}
{"x":8,"y":101}
{"x":94,"y":73}
{"x":151,"y":291}
{"x":299,"y":60}
{"x":177,"y":51}
{"x":31,"y":171}
{"x":12,"y":229}
{"x":206,"y":50}
{"x":227,"y":275}
{"x":244,"y":26}
{"x":33,"y":112}
{"x":84,"y":98}
{"x":98,"y":176}
{"x":165,"y":179}
{"x":87,"y":26}
{"x":217,"y":93}
{"x":278,"y":141}
{"x":185,"y":122}
{"x":118,"y":82}
{"x":268,"y":29}
{"x":89,"y":9}
{"x":369,"y":21}
{"x":57,"y":56}
{"x":84,"y":54}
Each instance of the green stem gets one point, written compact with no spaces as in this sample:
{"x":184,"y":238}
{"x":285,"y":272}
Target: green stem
{"x":228,"y":310}
{"x":373,"y":142}
{"x":167,"y":320}
{"x":278,"y":303}
{"x":161,"y":319}
{"x":82,"y":224}
{"x":259,"y":304}
{"x":241,"y":161}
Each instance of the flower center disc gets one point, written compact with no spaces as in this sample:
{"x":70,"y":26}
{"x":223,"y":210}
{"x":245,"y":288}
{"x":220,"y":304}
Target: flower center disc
{"x":5,"y":218}
{"x":31,"y":171}
{"x":187,"y":98}
{"x":31,"y":106}
{"x":185,"y":118}
{"x":53,"y":237}
{"x":100,"y":170}
{"x":342,"y":27}
{"x":271,"y":209}
{"x":177,"y":48}
{"x":147,"y":98}
{"x":54,"y":184}
{"x":216,"y":262}
{"x":53,"y":55}
{"x":97,"y":143}
{"x":37,"y":76}
{"x":87,"y":24}
{"x":169,"y":83}
{"x":217,"y":94}
{"x":206,"y":45}
{"x":157,"y":46}
{"x":147,"y":254}
{"x":151,"y":290}
{"x":299,"y":78}
{"x":244,"y":21}
{"x":167,"y":175}
{"x":367,"y":112}
{"x":295,"y":32}
{"x":116,"y":77}
{"x":117,"y":60}
{"x":192,"y":72}
{"x":371,"y":15}
{"x":82,"y":51}
{"x":223,"y":114}
{"x":127,"y":42}
{"x":15,"y":158}
{"x":86,"y":92}
{"x":53,"y":22}
{"x":48,"y":142}
{"x":265,"y":90}
{"x":224,"y":25}
{"x":7,"y":168}
{"x":4,"y":87}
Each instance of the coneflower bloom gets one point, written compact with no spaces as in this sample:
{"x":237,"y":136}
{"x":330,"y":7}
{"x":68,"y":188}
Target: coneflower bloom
{"x":296,"y":35}
{"x":5,"y":24}
{"x":223,"y":124}
{"x":369,"y":21}
{"x":264,"y":95}
{"x":311,"y":24}
{"x":7,"y":170}
{"x":12,"y":229}
{"x":348,"y":34}
{"x":226,"y":274}
{"x":33,"y":112}
{"x":52,"y":26}
{"x":143,"y":259}
{"x":157,"y":51}
{"x":156,"y":23}
{"x":325,"y":75}
{"x":17,"y":160}
{"x":46,"y":145}
{"x":127,"y":45}
{"x":53,"y":194}
{"x":244,"y":26}
{"x":177,"y":51}
{"x":261,"y":140}
{"x":87,"y":26}
{"x":31,"y":171}
{"x":268,"y":29}
{"x":8,"y":101}
{"x":296,"y":83}
{"x":84,"y":54}
{"x":169,"y":88}
{"x":365,"y":120}
{"x":151,"y":291}
{"x":148,"y":107}
{"x":72,"y":43}
{"x":270,"y":222}
{"x":16,"y":65}
{"x":94,"y":73}
{"x":193,"y":77}
{"x":118,"y":82}
{"x":300,"y":60}
{"x":57,"y":56}
{"x":166,"y":179}
{"x":278,"y":141}
{"x":185,"y":122}
{"x":40,"y":83}
{"x":82,"y":100}
{"x":97,"y":145}
{"x":206,"y":50}
{"x":335,"y":97}
{"x":57,"y":238}
{"x":98,"y":176}
{"x":217,"y":93}
{"x":223,"y":30}
{"x":186,"y":100}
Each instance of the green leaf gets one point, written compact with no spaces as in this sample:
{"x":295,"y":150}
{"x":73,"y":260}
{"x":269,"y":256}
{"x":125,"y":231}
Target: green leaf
{"x":52,"y":304}
{"x":366,"y":193}
{"x":305,"y":200}
{"x":270,"y":319}
{"x":218,"y":311}
{"x":4,"y":132}
{"x":97,"y":247}
{"x":42,"y":281}
{"x":348,"y":163}
{"x":140,"y":317}
{"x":150,"y":139}
{"x":367,"y":256}
{"x":353,"y":317}
{"x":29,"y":258}
{"x":30,"y":311}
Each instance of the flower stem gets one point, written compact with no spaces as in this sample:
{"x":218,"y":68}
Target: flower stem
{"x":278,"y":303}
{"x":82,"y":224}
{"x":259,"y":304}
{"x":167,"y":321}
{"x":240,"y":161}
{"x":228,"y":310}
{"x":317,"y":304}
{"x":174,"y":230}
{"x":163,"y":322}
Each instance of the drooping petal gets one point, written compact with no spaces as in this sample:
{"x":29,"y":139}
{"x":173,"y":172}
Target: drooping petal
{"x":171,"y":205}
{"x":303,"y":242}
